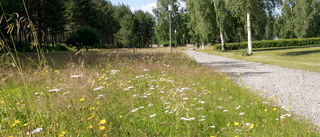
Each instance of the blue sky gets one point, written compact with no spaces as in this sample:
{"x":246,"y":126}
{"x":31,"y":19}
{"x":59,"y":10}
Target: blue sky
{"x":145,"y":5}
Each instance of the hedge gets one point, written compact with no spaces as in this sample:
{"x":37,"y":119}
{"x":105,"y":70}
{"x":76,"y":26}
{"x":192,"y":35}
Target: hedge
{"x":270,"y":43}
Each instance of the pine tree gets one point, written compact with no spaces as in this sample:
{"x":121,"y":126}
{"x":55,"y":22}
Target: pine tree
{"x":126,"y":34}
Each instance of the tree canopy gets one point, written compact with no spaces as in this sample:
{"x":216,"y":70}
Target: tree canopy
{"x":205,"y":21}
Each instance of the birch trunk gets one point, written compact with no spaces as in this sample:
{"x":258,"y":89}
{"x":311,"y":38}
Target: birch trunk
{"x":223,"y":45}
{"x":202,"y":45}
{"x":249,"y":34}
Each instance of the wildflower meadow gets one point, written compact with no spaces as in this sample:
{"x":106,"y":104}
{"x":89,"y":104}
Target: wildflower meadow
{"x":148,"y":93}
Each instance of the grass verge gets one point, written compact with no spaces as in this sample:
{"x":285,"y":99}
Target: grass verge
{"x":150,"y":93}
{"x":303,"y":58}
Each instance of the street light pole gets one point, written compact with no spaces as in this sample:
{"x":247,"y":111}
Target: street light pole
{"x":175,"y":38}
{"x":170,"y":9}
{"x":183,"y":40}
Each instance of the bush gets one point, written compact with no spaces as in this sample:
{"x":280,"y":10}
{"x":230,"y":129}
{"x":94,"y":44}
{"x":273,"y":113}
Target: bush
{"x":21,"y":47}
{"x":84,"y":36}
{"x":270,"y":43}
{"x":167,"y":43}
{"x":60,"y":47}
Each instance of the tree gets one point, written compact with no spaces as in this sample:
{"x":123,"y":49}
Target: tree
{"x":84,"y":36}
{"x":202,"y":18}
{"x":287,"y":19}
{"x":306,"y":21}
{"x":106,"y":24}
{"x":144,"y":26}
{"x":55,"y":18}
{"x":245,"y":8}
{"x":221,"y":15}
{"x":162,"y":18}
{"x":126,"y":34}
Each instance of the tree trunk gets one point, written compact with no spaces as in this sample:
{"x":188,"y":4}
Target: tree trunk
{"x":52,"y":39}
{"x":202,"y":45}
{"x":223,"y":45}
{"x":249,"y":34}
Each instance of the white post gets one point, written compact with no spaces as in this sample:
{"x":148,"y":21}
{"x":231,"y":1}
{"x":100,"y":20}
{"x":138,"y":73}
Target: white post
{"x":175,"y":37}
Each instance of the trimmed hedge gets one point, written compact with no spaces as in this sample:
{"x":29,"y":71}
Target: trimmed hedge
{"x":270,"y":43}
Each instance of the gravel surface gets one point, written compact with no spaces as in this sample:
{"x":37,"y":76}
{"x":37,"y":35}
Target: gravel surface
{"x":298,"y":89}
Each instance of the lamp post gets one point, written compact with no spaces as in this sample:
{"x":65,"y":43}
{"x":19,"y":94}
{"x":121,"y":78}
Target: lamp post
{"x":175,"y":38}
{"x":170,"y":9}
{"x":183,"y":40}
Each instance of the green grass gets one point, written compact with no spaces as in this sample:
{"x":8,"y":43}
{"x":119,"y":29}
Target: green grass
{"x":150,"y":93}
{"x":303,"y":58}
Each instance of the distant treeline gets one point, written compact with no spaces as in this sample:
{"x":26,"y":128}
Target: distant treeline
{"x":56,"y":20}
{"x":205,"y":21}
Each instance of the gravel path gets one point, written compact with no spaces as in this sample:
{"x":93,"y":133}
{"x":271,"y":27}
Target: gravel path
{"x":295,"y":88}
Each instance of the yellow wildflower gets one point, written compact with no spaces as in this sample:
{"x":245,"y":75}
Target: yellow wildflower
{"x":41,"y":93}
{"x":82,"y":99}
{"x":251,"y":126}
{"x":120,"y":116}
{"x":274,"y":109}
{"x":308,"y":131}
{"x":104,"y":135}
{"x":92,"y":109}
{"x":228,"y":124}
{"x":265,"y":110}
{"x":236,"y":123}
{"x":13,"y":125}
{"x":89,"y":118}
{"x":90,"y":127}
{"x":102,"y":122}
{"x":17,"y":121}
{"x":63,"y":133}
{"x":98,"y":103}
{"x":102,"y":128}
{"x":2,"y":102}
{"x":26,"y":124}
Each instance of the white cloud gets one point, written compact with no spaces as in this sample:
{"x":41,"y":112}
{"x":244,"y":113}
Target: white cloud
{"x":149,"y":7}
{"x":133,"y":9}
{"x":182,"y":4}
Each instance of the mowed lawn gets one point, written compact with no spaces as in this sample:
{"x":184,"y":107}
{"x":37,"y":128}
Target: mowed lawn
{"x":303,"y":58}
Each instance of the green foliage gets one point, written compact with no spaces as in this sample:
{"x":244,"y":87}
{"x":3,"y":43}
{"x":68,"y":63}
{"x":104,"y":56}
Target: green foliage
{"x":126,"y":34}
{"x":167,"y":43}
{"x":202,"y":19}
{"x":271,"y":43}
{"x":84,"y":36}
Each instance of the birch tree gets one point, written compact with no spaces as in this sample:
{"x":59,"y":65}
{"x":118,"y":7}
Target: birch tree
{"x":202,"y":18}
{"x":221,"y":14}
{"x":245,"y":9}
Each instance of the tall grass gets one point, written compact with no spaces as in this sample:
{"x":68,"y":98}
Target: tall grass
{"x":117,"y":93}
{"x":150,"y":93}
{"x":10,"y":57}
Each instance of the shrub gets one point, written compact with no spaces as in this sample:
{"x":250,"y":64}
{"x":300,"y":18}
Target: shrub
{"x":167,"y":43}
{"x":270,"y":43}
{"x":84,"y":36}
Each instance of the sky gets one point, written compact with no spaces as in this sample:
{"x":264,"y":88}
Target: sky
{"x":145,"y":5}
